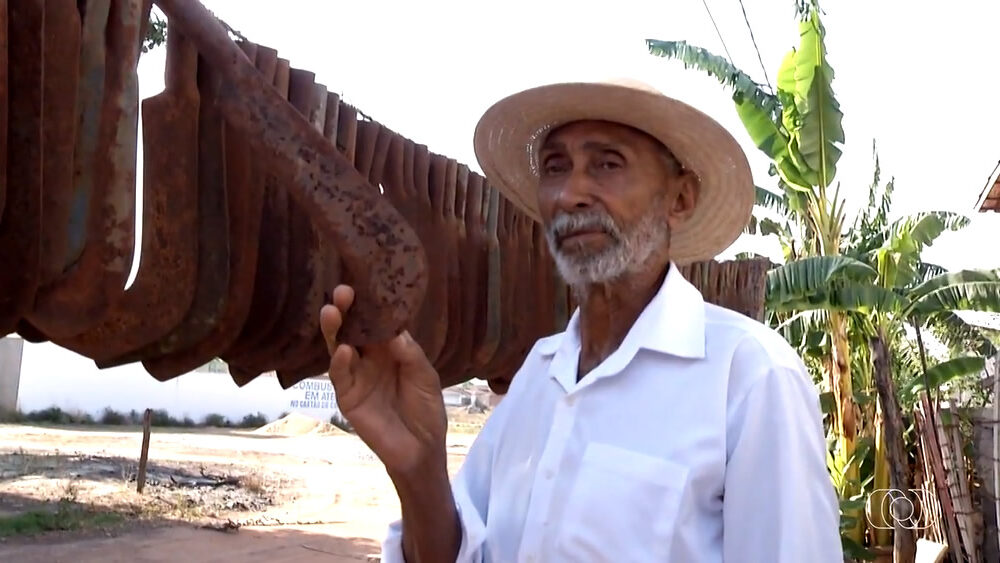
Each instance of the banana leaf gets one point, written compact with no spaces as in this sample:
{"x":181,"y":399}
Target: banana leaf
{"x":770,"y":200}
{"x":909,"y":236}
{"x":812,"y":275}
{"x":821,"y":130}
{"x":921,"y":229}
{"x":858,"y":297}
{"x":719,"y":68}
{"x":957,"y":334}
{"x":948,"y":279}
{"x":974,"y":296}
{"x":947,"y":371}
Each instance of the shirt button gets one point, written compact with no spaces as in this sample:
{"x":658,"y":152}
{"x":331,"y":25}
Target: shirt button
{"x":549,"y":474}
{"x":570,"y":401}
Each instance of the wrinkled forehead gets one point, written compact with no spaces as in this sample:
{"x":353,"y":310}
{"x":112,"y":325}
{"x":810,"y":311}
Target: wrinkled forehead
{"x":608,"y":131}
{"x":604,"y":132}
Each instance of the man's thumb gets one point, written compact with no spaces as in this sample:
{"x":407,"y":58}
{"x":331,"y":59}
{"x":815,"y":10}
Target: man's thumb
{"x":407,"y":352}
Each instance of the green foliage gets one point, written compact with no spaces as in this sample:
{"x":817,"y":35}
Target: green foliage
{"x":112,"y":417}
{"x":800,"y":127}
{"x":759,"y":110}
{"x":156,"y":33}
{"x":67,"y":517}
{"x":945,"y":372}
{"x":926,"y":271}
{"x":810,"y":275}
{"x":216,"y":421}
{"x":820,"y":131}
{"x":771,"y":200}
{"x":913,"y":233}
{"x":804,"y":7}
{"x":253,"y":421}
{"x":866,"y":299}
{"x":749,"y":91}
{"x":959,"y":335}
{"x":868,"y":273}
{"x":870,"y":226}
{"x":853,"y":549}
{"x":55,"y":415}
{"x":832,"y":283}
{"x":970,"y":296}
{"x":838,"y":463}
{"x":163,"y":418}
{"x":898,"y":258}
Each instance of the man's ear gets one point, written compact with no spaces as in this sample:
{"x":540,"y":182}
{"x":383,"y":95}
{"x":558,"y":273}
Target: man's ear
{"x":686,"y":188}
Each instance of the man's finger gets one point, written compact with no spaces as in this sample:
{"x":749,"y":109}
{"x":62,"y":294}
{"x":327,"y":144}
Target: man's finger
{"x":410,"y":356}
{"x":343,"y":297}
{"x":330,"y":319}
{"x":343,"y":361}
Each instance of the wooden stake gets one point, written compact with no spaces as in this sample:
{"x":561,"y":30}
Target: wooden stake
{"x":147,"y":418}
{"x":904,"y":538}
{"x":933,"y":453}
{"x":996,"y":442}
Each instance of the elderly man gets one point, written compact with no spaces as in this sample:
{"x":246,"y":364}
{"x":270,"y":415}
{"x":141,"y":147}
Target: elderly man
{"x":657,"y":427}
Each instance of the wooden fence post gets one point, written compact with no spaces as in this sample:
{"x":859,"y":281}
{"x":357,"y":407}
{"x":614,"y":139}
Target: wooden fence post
{"x":737,"y":285}
{"x":140,"y":479}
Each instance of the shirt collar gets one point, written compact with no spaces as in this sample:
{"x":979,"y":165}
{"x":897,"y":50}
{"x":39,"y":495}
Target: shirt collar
{"x":673,"y":323}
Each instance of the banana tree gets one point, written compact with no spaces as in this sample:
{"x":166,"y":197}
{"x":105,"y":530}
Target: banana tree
{"x":881,"y":265}
{"x":859,"y":291}
{"x":855,"y":282}
{"x":894,"y":249}
{"x":799,"y":128}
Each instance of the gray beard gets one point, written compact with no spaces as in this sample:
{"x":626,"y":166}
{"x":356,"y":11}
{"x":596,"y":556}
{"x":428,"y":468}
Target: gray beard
{"x":629,"y":251}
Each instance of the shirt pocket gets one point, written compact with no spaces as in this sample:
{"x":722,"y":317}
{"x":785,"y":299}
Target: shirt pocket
{"x":623,"y":506}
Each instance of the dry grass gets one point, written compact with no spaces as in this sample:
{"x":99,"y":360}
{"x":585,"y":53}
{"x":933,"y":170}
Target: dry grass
{"x":255,"y":483}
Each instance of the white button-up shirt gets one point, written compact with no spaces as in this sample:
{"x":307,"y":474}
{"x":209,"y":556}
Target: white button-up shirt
{"x":698,"y":440}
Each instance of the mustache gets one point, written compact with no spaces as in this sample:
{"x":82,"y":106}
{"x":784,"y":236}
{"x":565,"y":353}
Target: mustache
{"x":564,"y":224}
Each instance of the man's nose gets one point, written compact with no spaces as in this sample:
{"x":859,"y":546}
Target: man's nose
{"x":577,"y":191}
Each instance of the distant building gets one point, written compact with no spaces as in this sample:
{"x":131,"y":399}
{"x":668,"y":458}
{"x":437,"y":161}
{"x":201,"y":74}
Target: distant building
{"x":456,"y":397}
{"x":989,"y":199}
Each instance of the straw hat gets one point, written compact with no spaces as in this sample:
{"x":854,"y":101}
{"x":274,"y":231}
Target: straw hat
{"x":508,"y":134}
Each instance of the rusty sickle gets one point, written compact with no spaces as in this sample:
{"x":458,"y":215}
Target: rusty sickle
{"x":21,"y":213}
{"x":380,"y":250}
{"x":61,"y":76}
{"x":102,"y":217}
{"x":246,"y":201}
{"x":163,"y":287}
{"x":4,"y":100}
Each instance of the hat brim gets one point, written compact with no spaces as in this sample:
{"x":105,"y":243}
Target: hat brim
{"x":507,"y":137}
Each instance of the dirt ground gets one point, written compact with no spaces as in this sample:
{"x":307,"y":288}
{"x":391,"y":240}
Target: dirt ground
{"x":210,"y":494}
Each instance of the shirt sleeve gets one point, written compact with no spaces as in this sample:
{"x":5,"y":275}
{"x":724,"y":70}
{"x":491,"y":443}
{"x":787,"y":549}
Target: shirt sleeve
{"x":779,"y":502}
{"x":471,"y":489}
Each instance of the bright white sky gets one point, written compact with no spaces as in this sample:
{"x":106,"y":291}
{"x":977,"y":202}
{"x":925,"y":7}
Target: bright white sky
{"x":917,"y":77}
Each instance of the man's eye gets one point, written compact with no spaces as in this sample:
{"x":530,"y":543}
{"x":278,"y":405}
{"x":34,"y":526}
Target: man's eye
{"x":553,"y":166}
{"x":610,"y":165}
